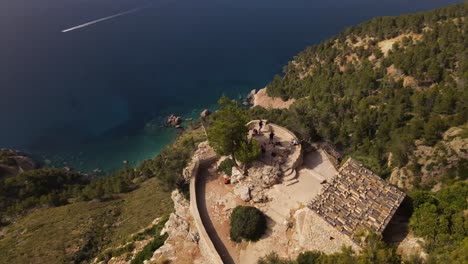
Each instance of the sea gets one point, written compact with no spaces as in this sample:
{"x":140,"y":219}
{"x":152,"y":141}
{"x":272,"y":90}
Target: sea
{"x":96,"y":96}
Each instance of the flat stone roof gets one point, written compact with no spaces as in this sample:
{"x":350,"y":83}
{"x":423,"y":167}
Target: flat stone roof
{"x":356,"y":199}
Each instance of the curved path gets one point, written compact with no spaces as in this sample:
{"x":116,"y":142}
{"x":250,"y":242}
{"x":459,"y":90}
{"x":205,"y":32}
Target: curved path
{"x":203,"y":174}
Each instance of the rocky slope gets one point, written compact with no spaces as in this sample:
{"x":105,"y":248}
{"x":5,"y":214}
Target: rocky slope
{"x":13,"y":162}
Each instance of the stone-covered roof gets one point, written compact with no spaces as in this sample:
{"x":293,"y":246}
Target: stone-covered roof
{"x":355,"y":199}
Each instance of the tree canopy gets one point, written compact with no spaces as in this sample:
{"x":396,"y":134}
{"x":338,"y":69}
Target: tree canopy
{"x":228,"y":133}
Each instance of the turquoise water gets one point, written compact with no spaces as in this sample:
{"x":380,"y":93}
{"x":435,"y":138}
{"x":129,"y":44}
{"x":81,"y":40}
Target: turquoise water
{"x":83,"y":98}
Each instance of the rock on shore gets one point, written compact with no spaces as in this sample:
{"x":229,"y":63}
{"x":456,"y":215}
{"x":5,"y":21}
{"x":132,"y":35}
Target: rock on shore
{"x":173,"y":120}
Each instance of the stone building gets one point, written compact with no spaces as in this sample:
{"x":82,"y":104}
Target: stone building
{"x":357,"y":199}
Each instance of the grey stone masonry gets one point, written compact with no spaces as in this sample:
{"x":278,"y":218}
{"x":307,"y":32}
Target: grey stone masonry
{"x":355,"y":199}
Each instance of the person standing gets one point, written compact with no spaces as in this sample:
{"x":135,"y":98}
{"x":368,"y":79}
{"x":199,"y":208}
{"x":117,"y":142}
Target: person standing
{"x":260,"y":125}
{"x":272,"y":135}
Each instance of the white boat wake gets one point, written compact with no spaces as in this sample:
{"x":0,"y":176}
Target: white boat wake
{"x":103,"y":19}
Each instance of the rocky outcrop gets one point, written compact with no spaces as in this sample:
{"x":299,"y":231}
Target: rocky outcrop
{"x":13,"y":162}
{"x":236,"y":176}
{"x":243,"y":191}
{"x":251,"y":95}
{"x":181,"y":246}
{"x":173,"y":120}
{"x":262,"y":99}
{"x":205,"y":113}
{"x":432,"y":162}
{"x":252,"y":187}
{"x":411,"y":246}
{"x":263,"y":175}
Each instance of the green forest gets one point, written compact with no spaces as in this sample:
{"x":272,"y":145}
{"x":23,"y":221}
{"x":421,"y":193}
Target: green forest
{"x":353,"y":96}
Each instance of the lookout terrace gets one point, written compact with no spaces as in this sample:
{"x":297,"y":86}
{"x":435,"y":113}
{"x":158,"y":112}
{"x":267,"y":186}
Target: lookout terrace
{"x":355,"y":199}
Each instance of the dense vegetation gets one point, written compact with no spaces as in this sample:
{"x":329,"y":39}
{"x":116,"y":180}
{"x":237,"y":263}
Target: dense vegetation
{"x":348,"y":95}
{"x":227,"y":132}
{"x":44,"y":186}
{"x":5,"y":159}
{"x":440,"y":218}
{"x":48,"y":187}
{"x":95,"y":212}
{"x":378,"y":106}
{"x":247,"y":223}
{"x":226,"y":166}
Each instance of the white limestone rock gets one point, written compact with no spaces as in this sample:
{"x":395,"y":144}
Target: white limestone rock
{"x":243,"y":191}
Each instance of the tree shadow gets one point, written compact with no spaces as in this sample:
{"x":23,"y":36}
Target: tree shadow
{"x":397,"y":229}
{"x":269,"y":229}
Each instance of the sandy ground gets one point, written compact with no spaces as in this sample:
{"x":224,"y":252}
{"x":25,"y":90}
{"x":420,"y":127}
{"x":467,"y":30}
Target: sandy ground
{"x":287,"y":205}
{"x":309,"y":231}
{"x":262,"y":99}
{"x":315,"y":169}
{"x":220,"y":201}
{"x":387,"y":44}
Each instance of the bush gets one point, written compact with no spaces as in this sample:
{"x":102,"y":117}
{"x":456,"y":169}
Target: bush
{"x":309,"y":257}
{"x":273,"y":258}
{"x":247,"y":223}
{"x":148,"y":250}
{"x":226,"y":166}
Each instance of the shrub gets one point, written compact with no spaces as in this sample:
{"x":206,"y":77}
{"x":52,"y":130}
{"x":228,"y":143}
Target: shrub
{"x":226,"y":166}
{"x":309,"y":257}
{"x":247,"y":223}
{"x":273,"y":258}
{"x":148,"y":250}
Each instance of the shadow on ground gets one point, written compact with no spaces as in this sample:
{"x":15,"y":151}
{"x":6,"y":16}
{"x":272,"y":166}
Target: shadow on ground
{"x":203,"y":174}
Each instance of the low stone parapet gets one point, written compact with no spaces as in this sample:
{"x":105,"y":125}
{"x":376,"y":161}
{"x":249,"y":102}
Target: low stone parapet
{"x":206,"y":245}
{"x":296,"y":158}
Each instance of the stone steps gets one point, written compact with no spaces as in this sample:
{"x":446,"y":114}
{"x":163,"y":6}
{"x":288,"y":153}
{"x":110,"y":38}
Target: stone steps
{"x":286,"y":171}
{"x":291,"y":182}
{"x":291,"y":176}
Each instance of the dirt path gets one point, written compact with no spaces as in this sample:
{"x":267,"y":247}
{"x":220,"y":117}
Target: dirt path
{"x":228,"y":252}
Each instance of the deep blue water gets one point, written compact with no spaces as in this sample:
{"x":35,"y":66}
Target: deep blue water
{"x":83,"y":98}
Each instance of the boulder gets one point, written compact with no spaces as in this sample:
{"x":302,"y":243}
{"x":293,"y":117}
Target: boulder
{"x":191,"y":168}
{"x":251,"y":94}
{"x":236,"y":175}
{"x":205,"y":113}
{"x":243,"y":192}
{"x":258,"y":196}
{"x":264,"y":175}
{"x":173,"y":120}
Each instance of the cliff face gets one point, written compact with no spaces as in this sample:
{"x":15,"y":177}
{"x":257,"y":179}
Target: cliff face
{"x":13,"y":162}
{"x":431,"y":163}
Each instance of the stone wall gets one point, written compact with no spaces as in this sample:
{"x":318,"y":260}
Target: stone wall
{"x":297,"y":157}
{"x":206,"y":245}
